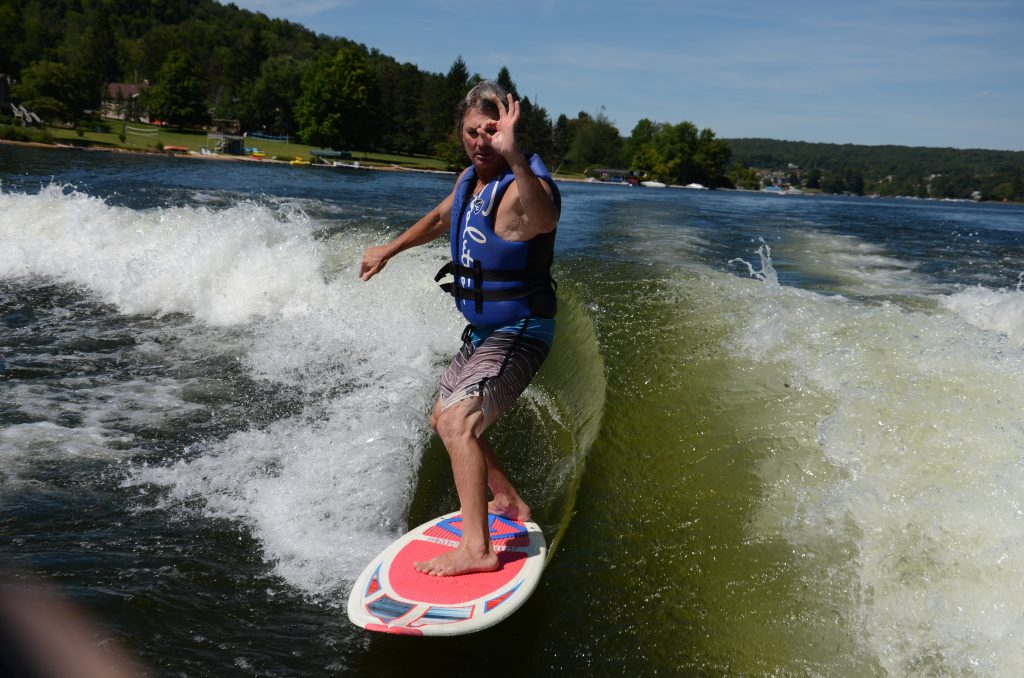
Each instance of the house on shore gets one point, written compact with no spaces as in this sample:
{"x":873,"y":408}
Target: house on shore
{"x":122,"y":101}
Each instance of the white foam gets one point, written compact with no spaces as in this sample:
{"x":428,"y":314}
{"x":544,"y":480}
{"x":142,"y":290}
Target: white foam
{"x":321,"y":490}
{"x":221,"y":267}
{"x":1000,"y":311}
{"x":920,"y":466}
{"x":855,"y":266}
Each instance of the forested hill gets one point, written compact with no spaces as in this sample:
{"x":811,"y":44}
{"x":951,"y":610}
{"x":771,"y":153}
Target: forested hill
{"x":890,"y":170}
{"x":198,"y":62}
{"x":202,"y":61}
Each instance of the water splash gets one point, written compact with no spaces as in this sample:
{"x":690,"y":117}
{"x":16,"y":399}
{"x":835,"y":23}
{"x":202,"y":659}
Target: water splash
{"x":257,"y":288}
{"x":917,"y":468}
{"x":767,"y":271}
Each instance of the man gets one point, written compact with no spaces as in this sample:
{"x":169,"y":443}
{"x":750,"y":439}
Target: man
{"x":501,"y":217}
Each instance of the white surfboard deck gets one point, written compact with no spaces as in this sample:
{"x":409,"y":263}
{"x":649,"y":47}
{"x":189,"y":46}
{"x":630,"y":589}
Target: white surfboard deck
{"x":390,"y":596}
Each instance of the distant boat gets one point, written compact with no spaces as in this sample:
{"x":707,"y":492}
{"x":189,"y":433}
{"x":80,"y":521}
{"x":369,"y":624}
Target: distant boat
{"x":652,"y":184}
{"x":298,"y":161}
{"x":339,"y":165}
{"x":696,"y":187}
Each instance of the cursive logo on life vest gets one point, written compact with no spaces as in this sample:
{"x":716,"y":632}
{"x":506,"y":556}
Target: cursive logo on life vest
{"x":466,"y":258}
{"x":471,"y":233}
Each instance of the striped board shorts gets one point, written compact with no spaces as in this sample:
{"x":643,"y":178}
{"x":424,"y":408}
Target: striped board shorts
{"x":497,"y":370}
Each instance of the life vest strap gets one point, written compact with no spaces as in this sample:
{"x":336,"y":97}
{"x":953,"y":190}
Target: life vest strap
{"x":490,"y":295}
{"x":525,"y":275}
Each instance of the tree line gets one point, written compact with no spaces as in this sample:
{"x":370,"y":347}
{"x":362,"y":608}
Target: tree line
{"x":206,"y":61}
{"x":886,"y":170}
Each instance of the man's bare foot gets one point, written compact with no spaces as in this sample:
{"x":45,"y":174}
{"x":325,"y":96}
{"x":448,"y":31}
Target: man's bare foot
{"x":458,"y":561}
{"x":508,"y":506}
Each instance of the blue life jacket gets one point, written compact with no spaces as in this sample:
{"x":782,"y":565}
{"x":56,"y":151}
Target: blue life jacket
{"x":497,"y":282}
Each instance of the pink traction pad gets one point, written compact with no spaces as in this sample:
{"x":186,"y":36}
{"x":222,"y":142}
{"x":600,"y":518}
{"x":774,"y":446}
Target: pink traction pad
{"x":410,"y":584}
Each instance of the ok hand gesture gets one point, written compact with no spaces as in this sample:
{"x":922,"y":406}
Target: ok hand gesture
{"x":501,"y":136}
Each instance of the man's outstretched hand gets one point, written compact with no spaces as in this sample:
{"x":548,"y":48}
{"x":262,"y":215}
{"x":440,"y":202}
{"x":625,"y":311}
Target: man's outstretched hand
{"x":374,"y":260}
{"x":502,"y":136}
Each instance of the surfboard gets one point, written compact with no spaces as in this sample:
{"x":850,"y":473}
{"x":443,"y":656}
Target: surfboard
{"x":390,"y":596}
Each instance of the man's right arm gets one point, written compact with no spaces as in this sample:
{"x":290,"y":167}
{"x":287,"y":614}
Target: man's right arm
{"x":433,"y":224}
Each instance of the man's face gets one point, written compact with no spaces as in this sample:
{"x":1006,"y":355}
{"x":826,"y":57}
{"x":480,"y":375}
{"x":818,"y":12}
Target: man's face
{"x":478,"y":150}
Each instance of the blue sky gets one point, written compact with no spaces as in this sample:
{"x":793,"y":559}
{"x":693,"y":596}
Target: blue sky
{"x":909,"y":72}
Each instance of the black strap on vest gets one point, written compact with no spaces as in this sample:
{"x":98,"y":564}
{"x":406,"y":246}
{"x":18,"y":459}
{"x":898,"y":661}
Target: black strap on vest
{"x":533,"y":279}
{"x":476,"y":273}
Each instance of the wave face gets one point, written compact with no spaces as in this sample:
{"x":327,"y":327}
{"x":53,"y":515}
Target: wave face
{"x":786,"y":429}
{"x":322,"y":479}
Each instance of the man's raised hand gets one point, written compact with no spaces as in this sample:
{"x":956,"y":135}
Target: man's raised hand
{"x":502,"y":137}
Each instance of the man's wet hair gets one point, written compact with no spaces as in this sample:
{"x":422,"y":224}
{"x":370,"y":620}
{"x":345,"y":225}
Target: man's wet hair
{"x":480,"y":98}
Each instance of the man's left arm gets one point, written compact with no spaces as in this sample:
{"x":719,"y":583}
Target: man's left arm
{"x":538,"y":204}
{"x":532,"y":197}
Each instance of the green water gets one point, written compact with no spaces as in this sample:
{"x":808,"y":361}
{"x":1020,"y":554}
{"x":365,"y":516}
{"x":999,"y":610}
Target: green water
{"x":207,"y":422}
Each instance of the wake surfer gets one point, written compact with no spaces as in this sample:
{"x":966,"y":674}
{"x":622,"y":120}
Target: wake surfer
{"x":501,"y":218}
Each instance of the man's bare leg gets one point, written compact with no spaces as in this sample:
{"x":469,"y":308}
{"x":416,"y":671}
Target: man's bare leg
{"x":507,"y":502}
{"x":458,"y":427}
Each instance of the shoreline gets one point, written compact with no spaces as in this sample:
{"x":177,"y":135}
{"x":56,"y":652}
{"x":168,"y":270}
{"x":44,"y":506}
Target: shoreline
{"x":240,"y":158}
{"x":202,"y":156}
{"x":400,"y":168}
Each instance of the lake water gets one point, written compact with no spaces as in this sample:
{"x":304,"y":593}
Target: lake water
{"x":777,"y":435}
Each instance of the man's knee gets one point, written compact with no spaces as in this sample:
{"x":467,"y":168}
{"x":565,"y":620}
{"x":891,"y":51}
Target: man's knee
{"x":461,"y":420}
{"x":434,"y":414}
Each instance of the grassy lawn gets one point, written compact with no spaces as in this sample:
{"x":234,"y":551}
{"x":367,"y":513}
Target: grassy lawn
{"x":194,"y":140}
{"x":146,"y":137}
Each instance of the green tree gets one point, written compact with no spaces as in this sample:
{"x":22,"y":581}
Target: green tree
{"x":534,"y":132}
{"x":678,"y":154}
{"x":400,"y":87}
{"x":647,"y":163}
{"x":742,"y":176}
{"x":854,"y":182}
{"x":442,"y":95}
{"x":40,"y":36}
{"x":712,"y":157}
{"x":90,"y":51}
{"x":596,"y":142}
{"x":179,"y":95}
{"x":338,"y":104}
{"x":679,"y":146}
{"x":53,"y":90}
{"x":561,"y":139}
{"x":271,"y":101}
{"x":248,"y":54}
{"x":507,"y":83}
{"x":641,"y":140}
{"x":10,"y":24}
